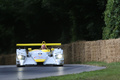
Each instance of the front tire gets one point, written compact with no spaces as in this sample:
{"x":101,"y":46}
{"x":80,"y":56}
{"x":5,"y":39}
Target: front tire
{"x":19,"y":65}
{"x":40,"y":63}
{"x":58,"y":65}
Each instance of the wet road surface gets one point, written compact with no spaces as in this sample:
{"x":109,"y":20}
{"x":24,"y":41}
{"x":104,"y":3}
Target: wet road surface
{"x":11,"y":72}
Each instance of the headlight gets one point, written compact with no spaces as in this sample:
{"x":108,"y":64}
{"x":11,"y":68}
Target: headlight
{"x":59,"y":56}
{"x":21,"y":57}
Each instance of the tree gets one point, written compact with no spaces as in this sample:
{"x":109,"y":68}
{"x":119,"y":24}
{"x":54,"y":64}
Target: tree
{"x":50,"y":20}
{"x":80,"y":19}
{"x":112,"y":20}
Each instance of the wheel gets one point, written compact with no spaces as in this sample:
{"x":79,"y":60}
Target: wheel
{"x":40,"y":63}
{"x":19,"y":65}
{"x":58,"y":65}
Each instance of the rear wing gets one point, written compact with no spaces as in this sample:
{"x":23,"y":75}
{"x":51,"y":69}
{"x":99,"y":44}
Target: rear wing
{"x":39,"y":44}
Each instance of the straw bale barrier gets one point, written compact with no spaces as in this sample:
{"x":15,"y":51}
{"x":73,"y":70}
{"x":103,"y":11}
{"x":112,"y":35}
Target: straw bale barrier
{"x":8,"y":59}
{"x":85,"y":51}
{"x":82,"y":51}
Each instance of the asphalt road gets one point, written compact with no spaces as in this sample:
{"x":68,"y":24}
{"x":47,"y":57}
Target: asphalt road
{"x":11,"y":72}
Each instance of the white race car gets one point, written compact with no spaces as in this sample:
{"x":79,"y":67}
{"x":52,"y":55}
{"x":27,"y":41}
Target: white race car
{"x":45,"y":56}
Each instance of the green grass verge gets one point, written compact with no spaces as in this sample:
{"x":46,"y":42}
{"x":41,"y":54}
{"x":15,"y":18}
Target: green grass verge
{"x":112,"y":72}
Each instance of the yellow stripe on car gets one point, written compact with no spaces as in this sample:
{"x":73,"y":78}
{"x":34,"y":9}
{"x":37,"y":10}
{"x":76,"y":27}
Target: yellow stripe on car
{"x":45,"y":50}
{"x":39,"y":60}
{"x":39,"y":44}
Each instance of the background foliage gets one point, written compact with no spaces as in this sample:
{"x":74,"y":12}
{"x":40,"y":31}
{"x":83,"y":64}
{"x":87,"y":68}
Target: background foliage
{"x":112,"y":20}
{"x":63,"y":21}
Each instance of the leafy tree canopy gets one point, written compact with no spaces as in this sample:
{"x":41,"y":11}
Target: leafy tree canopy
{"x":63,"y":21}
{"x":112,"y":20}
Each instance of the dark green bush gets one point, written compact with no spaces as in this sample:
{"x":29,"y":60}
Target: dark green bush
{"x":112,"y":20}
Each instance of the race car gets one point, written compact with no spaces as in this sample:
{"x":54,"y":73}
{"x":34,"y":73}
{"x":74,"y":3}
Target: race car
{"x":45,"y":56}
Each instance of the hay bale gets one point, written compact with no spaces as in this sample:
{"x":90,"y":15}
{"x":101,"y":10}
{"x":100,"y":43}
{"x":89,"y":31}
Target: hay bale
{"x":13,"y":58}
{"x":77,"y":54}
{"x":117,"y":50}
{"x":2,"y":59}
{"x":98,"y":50}
{"x":67,"y":50}
{"x":81,"y":51}
{"x":93,"y":49}
{"x":110,"y":47}
{"x":87,"y":51}
{"x":103,"y":50}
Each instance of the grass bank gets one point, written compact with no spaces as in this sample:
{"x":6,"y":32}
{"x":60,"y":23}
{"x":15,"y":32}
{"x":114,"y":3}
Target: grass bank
{"x":112,"y":72}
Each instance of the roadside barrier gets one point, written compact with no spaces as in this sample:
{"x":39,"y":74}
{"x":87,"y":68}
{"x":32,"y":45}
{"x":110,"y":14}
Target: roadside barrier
{"x":82,"y":51}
